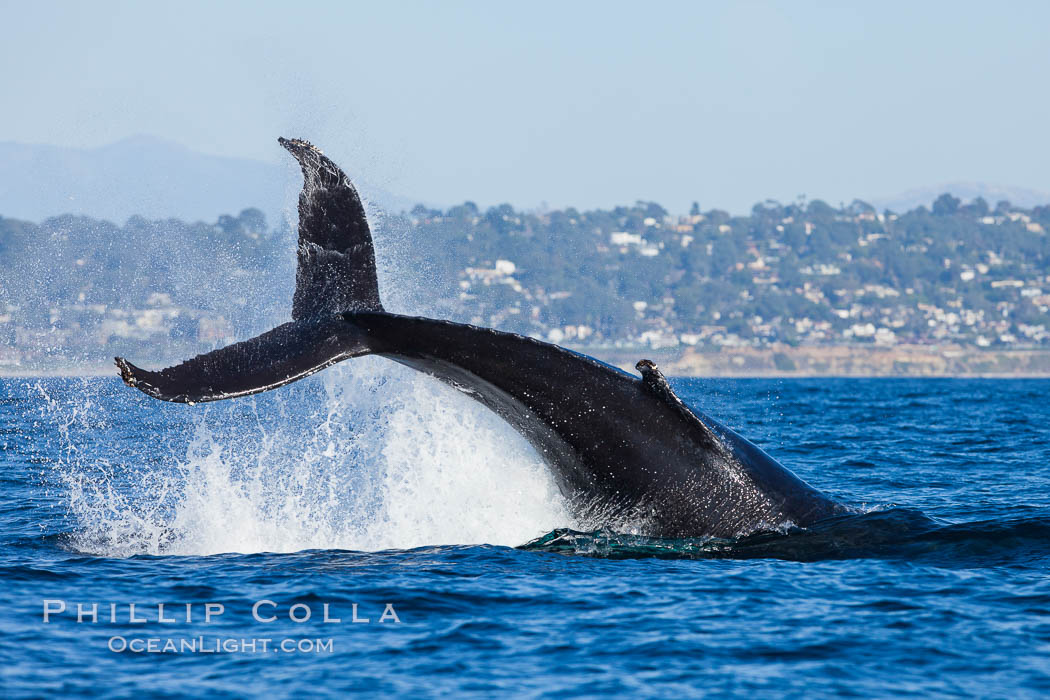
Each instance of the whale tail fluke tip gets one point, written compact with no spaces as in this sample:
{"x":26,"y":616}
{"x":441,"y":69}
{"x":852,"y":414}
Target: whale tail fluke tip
{"x":127,"y":370}
{"x":137,"y":378}
{"x":297,"y":146}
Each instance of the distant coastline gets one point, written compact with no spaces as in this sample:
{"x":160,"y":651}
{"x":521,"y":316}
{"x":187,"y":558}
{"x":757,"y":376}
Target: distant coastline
{"x":778,"y":361}
{"x":850,"y":361}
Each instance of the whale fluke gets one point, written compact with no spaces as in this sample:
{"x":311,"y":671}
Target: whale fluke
{"x":336,"y":275}
{"x":280,"y":356}
{"x":337,"y":263}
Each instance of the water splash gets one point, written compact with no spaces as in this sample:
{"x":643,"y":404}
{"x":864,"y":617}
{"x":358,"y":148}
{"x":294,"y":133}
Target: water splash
{"x":367,"y":456}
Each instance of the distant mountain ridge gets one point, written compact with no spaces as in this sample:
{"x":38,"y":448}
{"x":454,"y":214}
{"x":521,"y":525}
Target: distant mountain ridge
{"x":157,"y":178}
{"x":147,"y":176}
{"x":1023,"y":197}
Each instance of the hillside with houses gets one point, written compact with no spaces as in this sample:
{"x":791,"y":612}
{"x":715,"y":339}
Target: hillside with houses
{"x":787,"y":280}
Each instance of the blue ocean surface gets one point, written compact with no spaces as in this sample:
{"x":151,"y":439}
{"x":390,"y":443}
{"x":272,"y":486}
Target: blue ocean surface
{"x":368,"y":493}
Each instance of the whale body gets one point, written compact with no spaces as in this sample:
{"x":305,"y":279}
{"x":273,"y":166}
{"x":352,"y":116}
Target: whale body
{"x":625,"y":451}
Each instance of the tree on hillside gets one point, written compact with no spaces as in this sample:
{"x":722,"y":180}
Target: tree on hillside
{"x":946,"y":205}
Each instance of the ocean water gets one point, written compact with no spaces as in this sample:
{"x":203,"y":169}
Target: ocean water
{"x":371,"y":493}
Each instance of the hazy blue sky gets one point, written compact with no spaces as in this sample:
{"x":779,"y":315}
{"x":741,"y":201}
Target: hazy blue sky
{"x":566,"y":103}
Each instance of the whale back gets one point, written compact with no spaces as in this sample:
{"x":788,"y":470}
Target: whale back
{"x":641,"y":456}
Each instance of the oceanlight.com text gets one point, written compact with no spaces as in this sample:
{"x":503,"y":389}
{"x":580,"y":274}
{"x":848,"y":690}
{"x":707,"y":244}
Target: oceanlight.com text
{"x":219,"y":645}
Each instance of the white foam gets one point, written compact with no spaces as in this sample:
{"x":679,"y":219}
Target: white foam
{"x":387,"y":458}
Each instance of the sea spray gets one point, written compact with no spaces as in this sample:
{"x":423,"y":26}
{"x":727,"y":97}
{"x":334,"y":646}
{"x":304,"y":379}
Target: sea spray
{"x":366,"y":456}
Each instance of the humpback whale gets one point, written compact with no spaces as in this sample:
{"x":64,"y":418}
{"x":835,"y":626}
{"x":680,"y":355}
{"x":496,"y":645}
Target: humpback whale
{"x":625,"y":451}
